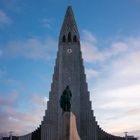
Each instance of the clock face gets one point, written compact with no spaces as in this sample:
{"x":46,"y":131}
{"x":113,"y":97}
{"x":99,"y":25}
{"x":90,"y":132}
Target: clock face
{"x":69,"y":50}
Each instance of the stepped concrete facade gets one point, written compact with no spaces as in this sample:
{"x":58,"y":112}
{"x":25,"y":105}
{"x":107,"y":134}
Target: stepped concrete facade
{"x":69,"y":70}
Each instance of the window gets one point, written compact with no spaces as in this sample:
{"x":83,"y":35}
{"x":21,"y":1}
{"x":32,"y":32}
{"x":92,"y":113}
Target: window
{"x":74,"y":38}
{"x":64,"y":38}
{"x":69,"y":37}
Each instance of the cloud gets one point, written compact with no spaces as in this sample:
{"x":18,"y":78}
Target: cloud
{"x":47,"y":23}
{"x":89,"y":37}
{"x":16,"y":119}
{"x":116,"y":92}
{"x":4,"y":101}
{"x":5,"y":79}
{"x":32,"y":48}
{"x":134,"y":111}
{"x":9,"y":81}
{"x":91,"y":73}
{"x":39,"y":100}
{"x":13,"y":6}
{"x":96,"y":54}
{"x":4,"y":19}
{"x":89,"y":49}
{"x":91,"y":53}
{"x":118,"y":47}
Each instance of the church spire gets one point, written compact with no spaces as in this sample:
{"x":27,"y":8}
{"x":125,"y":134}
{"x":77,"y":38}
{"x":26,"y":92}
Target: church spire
{"x":69,"y":32}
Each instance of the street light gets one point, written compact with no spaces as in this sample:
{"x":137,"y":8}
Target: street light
{"x":126,"y":135}
{"x":10,"y":134}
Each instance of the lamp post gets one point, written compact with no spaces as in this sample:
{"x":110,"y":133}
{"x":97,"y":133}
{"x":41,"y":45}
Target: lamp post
{"x":10,"y":134}
{"x":126,"y":135}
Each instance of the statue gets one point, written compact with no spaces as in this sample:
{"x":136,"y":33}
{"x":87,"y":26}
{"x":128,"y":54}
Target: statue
{"x":65,"y":99}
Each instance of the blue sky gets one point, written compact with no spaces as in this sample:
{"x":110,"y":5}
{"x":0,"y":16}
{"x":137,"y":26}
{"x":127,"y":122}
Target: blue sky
{"x":110,"y":41}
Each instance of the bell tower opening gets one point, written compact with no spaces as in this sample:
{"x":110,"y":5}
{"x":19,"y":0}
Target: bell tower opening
{"x":74,"y":38}
{"x":64,"y":38}
{"x":69,"y":37}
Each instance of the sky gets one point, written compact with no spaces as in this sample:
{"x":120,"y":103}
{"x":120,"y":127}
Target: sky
{"x":110,"y":43}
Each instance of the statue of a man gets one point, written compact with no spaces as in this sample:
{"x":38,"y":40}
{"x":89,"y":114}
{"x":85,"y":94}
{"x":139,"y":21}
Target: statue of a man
{"x":65,"y":99}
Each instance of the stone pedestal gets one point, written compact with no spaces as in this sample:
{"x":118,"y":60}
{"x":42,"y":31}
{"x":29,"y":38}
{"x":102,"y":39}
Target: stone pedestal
{"x":68,"y":127}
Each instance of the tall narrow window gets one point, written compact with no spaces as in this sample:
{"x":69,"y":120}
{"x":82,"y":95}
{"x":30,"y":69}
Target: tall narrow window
{"x":74,"y":38}
{"x":69,"y":37}
{"x":64,"y":38}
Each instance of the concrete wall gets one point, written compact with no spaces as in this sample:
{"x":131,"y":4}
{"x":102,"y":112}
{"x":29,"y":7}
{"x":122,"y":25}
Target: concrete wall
{"x":26,"y":137}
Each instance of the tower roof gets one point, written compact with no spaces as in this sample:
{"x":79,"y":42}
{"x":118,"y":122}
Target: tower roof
{"x":69,"y":24}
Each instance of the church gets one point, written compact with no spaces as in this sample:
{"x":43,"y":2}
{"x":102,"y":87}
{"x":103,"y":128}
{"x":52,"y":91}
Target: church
{"x":69,"y":71}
